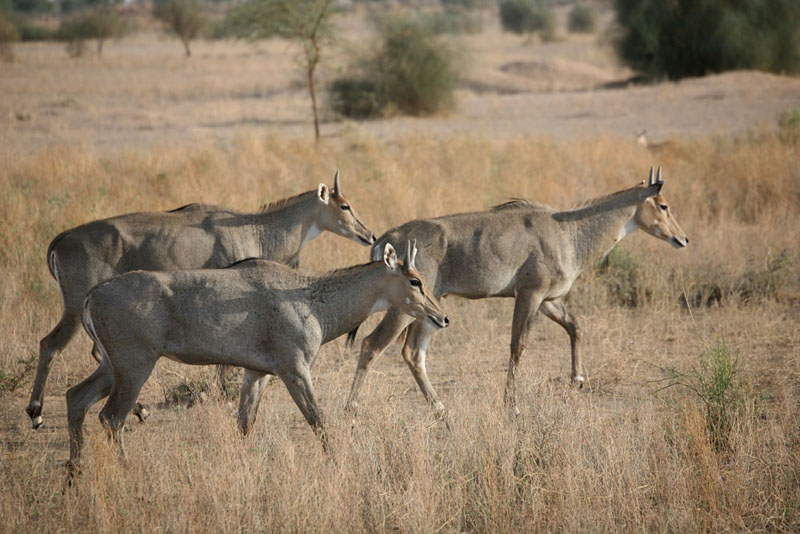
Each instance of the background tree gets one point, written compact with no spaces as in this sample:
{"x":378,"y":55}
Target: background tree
{"x":581,"y":18}
{"x":8,"y":34}
{"x":184,"y":18}
{"x":680,"y":38}
{"x":101,"y":24}
{"x":306,"y":21}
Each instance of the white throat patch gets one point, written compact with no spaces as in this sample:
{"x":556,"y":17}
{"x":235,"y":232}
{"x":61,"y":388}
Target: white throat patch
{"x":630,"y":227}
{"x":380,"y":305}
{"x":313,"y":232}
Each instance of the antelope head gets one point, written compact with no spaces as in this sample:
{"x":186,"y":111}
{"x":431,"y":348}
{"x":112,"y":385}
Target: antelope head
{"x":654,"y":215}
{"x":338,"y":216}
{"x":407,"y":290}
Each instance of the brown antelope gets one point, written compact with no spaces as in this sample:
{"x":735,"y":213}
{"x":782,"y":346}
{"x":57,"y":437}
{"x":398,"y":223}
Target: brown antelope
{"x":641,"y":140}
{"x":522,"y":250}
{"x":192,"y":237}
{"x":256,"y":314}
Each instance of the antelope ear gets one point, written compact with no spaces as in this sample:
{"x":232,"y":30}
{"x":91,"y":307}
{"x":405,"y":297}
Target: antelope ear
{"x":323,"y":193}
{"x":390,"y":257}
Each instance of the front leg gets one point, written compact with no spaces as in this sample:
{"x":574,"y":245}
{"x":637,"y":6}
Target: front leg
{"x":557,"y":311}
{"x":414,"y":352}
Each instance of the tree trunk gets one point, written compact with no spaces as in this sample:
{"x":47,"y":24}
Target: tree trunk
{"x":99,"y":48}
{"x":186,"y":48}
{"x":311,"y":67}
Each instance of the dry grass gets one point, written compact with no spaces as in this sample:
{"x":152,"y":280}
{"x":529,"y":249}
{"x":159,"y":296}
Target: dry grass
{"x":611,"y":457}
{"x":143,"y":129}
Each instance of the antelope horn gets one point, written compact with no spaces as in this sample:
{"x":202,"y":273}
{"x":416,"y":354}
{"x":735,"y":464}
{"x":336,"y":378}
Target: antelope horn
{"x":650,"y":180}
{"x":658,"y":176}
{"x":337,"y":190}
{"x":407,"y":256}
{"x":414,"y":254}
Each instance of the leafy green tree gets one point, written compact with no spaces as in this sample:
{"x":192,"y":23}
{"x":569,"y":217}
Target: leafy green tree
{"x":309,"y":22}
{"x":680,"y":38}
{"x":581,"y":18}
{"x":184,"y":18}
{"x":100,"y":24}
{"x":8,"y":34}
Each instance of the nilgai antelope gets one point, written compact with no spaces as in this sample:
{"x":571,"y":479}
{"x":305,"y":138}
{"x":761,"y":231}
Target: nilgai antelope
{"x":519,"y":249}
{"x":641,"y":140}
{"x":192,"y":237}
{"x":256,"y":314}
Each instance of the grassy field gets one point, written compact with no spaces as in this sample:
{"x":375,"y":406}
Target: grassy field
{"x":621,"y":454}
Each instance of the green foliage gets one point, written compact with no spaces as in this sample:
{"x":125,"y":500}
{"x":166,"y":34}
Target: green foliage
{"x":718,"y":384}
{"x":451,"y":20}
{"x":680,"y":38}
{"x":620,"y":274}
{"x":581,"y":18}
{"x":356,"y":98}
{"x":411,"y":72}
{"x":184,"y":18}
{"x":30,"y":7}
{"x":99,"y":24}
{"x":29,"y":31}
{"x":789,"y":125}
{"x":528,"y":16}
{"x":8,"y":34}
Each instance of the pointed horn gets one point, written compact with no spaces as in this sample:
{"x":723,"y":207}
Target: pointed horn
{"x":658,"y":176}
{"x":414,"y":254}
{"x":337,"y":190}
{"x":650,"y":180}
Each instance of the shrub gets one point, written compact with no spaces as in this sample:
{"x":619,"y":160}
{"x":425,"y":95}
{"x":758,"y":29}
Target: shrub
{"x":411,"y":72}
{"x":8,"y":34}
{"x":680,"y":38}
{"x":528,"y":16}
{"x":99,"y":24}
{"x":718,"y":384}
{"x":789,"y":125}
{"x":355,"y":98}
{"x":33,"y":32}
{"x":581,"y":19}
{"x":620,"y":274}
{"x":451,"y":20}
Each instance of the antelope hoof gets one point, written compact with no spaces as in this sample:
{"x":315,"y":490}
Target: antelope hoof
{"x":73,"y":472}
{"x":34,"y":411}
{"x":142,"y":411}
{"x":578,"y":381}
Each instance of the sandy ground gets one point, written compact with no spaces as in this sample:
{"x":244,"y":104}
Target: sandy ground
{"x":143,"y":92}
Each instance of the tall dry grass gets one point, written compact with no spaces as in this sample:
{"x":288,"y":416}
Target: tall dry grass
{"x":614,"y":456}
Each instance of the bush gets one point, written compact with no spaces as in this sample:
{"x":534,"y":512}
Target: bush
{"x":99,"y":24}
{"x":581,"y":19}
{"x":33,"y":32}
{"x":412,"y":72}
{"x":789,"y":125}
{"x":528,"y":16}
{"x":355,"y":98}
{"x":451,"y":20}
{"x":8,"y":34}
{"x":684,"y":38}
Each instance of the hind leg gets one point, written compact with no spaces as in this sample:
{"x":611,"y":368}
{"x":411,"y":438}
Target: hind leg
{"x":51,"y":344}
{"x":391,"y":326}
{"x":253,"y":388}
{"x":128,"y":381}
{"x":79,"y":399}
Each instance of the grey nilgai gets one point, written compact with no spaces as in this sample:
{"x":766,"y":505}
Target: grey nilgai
{"x":192,"y":237}
{"x":256,"y":314}
{"x":522,"y":250}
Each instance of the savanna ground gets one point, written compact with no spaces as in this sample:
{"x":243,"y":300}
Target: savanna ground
{"x":144,"y":129}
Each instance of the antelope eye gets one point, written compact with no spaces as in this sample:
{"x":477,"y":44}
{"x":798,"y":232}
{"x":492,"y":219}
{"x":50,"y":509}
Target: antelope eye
{"x":663,"y":207}
{"x":415,"y":282}
{"x":345,"y":207}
